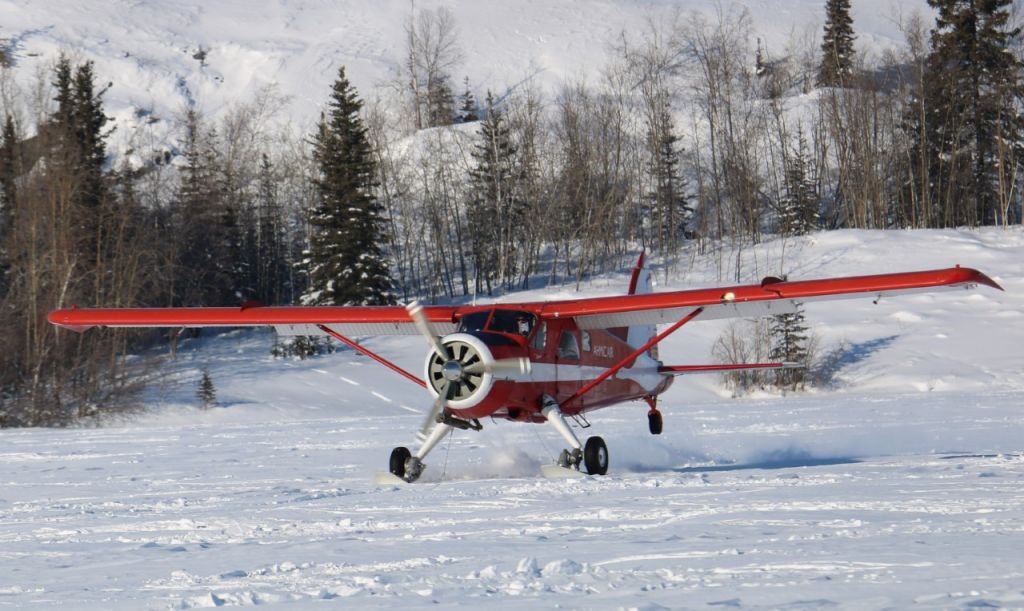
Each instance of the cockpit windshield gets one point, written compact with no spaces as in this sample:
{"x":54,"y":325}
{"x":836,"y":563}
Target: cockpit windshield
{"x":510,"y":322}
{"x":474,"y":321}
{"x":513,"y":322}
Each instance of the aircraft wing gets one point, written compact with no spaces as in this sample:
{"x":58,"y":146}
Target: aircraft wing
{"x":288,"y":320}
{"x":771,"y":296}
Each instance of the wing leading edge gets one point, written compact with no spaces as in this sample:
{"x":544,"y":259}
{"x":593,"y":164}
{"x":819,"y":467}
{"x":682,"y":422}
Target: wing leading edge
{"x":771,"y":296}
{"x":288,"y":320}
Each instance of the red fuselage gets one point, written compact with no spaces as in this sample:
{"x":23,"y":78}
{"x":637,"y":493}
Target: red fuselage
{"x":562,"y":357}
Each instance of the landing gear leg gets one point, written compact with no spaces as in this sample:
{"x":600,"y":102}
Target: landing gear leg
{"x":410,"y":466}
{"x":572,"y":457}
{"x":595,"y":456}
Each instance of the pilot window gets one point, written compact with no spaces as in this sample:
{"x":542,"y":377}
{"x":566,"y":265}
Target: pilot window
{"x":567,"y":347}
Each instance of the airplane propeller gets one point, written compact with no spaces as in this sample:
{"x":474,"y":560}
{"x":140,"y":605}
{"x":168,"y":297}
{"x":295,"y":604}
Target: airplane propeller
{"x":456,"y":370}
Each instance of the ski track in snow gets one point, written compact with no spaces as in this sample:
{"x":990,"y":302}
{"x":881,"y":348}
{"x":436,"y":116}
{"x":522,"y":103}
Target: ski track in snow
{"x":899,"y":486}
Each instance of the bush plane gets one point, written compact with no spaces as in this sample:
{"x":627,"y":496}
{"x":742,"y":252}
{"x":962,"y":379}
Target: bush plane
{"x":537,"y":362}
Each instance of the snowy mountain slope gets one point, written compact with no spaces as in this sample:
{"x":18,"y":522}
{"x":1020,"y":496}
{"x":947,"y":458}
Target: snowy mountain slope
{"x":899,"y":488}
{"x":147,"y":49}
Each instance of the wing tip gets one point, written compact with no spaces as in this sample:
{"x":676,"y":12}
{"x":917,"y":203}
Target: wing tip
{"x":978,"y":277}
{"x":63,"y":319}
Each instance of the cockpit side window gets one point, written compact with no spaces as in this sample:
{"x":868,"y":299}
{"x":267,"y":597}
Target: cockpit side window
{"x":540,"y":340}
{"x":568,"y":348}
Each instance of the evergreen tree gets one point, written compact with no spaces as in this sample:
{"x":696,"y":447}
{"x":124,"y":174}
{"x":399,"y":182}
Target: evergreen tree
{"x":837,"y":46}
{"x":496,"y":215}
{"x":10,"y":169}
{"x":798,"y":213}
{"x":974,"y":127}
{"x":90,"y":135}
{"x":76,"y":147}
{"x":669,"y":202}
{"x":206,"y":392}
{"x":63,"y":117}
{"x":789,"y":345}
{"x":468,"y":112}
{"x":202,"y":225}
{"x":440,"y":103}
{"x":346,"y":265}
{"x":270,"y":257}
{"x":78,"y":124}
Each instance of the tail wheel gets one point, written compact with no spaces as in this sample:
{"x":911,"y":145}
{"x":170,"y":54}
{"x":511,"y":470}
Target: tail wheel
{"x":654,"y":422}
{"x":398,"y":458}
{"x":595,"y":456}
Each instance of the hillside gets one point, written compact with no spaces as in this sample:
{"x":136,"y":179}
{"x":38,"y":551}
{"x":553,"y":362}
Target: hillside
{"x":147,"y":49}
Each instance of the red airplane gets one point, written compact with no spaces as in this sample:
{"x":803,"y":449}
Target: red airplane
{"x":538,"y":362}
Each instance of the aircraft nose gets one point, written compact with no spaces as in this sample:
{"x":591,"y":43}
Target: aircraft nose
{"x":452,"y":371}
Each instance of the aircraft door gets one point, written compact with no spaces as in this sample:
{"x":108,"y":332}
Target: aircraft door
{"x":567,"y":363}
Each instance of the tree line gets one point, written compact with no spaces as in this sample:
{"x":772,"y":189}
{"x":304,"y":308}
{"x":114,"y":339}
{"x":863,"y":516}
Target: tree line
{"x":694,"y":138}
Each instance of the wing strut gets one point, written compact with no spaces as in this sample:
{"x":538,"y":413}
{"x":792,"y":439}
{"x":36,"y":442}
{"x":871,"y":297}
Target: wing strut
{"x":632,"y":355}
{"x":373,"y":355}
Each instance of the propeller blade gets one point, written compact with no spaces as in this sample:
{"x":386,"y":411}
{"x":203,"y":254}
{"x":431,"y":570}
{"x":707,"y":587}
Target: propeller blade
{"x":506,"y":366}
{"x":426,"y":329}
{"x":435,"y":410}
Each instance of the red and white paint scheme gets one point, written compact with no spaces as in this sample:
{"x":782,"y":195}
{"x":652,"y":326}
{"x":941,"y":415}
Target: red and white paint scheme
{"x":538,"y":362}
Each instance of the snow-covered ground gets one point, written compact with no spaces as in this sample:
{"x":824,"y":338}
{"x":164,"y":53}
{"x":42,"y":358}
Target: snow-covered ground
{"x":902,"y":485}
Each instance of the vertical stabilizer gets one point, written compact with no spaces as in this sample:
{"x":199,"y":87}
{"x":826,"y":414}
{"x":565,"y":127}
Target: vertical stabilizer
{"x":640,"y":284}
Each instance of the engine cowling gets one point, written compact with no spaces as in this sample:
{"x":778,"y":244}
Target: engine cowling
{"x":468,"y":367}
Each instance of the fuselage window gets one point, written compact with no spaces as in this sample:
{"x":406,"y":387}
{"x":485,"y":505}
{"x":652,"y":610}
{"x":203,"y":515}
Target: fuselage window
{"x":585,"y":337}
{"x":568,"y":349}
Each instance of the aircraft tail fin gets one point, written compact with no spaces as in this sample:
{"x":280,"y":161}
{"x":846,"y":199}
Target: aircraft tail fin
{"x":641,"y":284}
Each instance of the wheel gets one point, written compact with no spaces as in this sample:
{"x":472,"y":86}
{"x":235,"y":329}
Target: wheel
{"x":595,"y":456}
{"x":398,"y":458}
{"x":654,"y":422}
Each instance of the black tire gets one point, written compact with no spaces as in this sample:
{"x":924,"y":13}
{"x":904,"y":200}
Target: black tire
{"x":655,"y":422}
{"x":398,"y":458}
{"x":595,"y":456}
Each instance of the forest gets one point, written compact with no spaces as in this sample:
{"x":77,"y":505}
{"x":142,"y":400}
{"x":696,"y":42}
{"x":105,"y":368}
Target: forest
{"x":695,"y":139}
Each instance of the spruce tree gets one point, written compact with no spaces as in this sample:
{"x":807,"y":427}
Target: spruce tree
{"x":346,"y":264}
{"x":468,"y":111}
{"x":269,"y":240}
{"x":974,"y":128}
{"x":205,"y":392}
{"x":203,"y":262}
{"x":670,"y":206}
{"x":90,"y":135}
{"x":77,"y":150}
{"x":440,"y":103}
{"x":837,"y":46}
{"x":496,"y":215}
{"x":789,"y":344}
{"x":10,"y":169}
{"x":798,"y":213}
